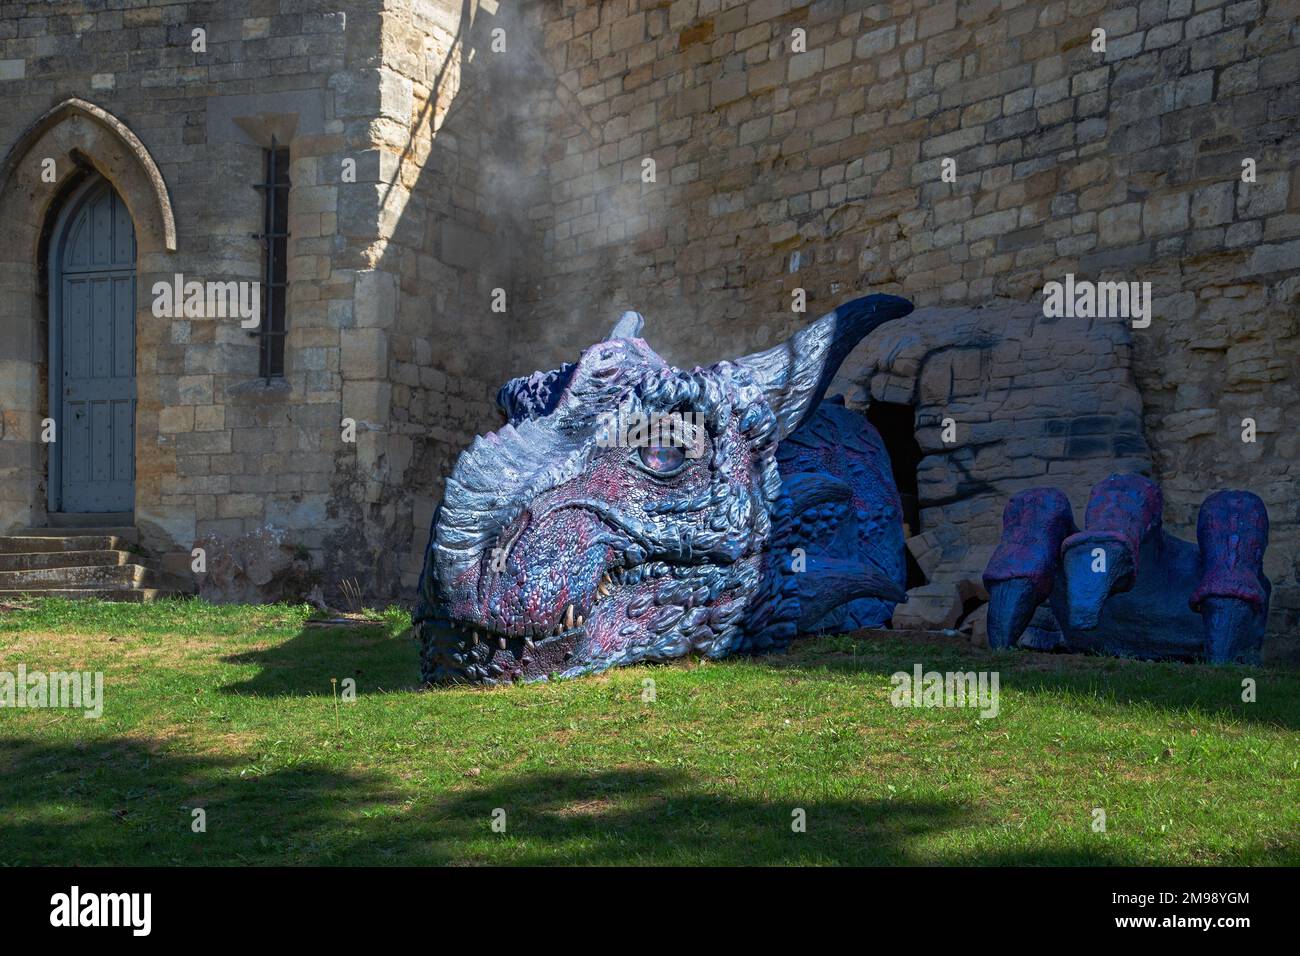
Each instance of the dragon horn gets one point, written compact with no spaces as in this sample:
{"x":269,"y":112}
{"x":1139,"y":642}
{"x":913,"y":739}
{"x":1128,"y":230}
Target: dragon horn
{"x":795,"y":374}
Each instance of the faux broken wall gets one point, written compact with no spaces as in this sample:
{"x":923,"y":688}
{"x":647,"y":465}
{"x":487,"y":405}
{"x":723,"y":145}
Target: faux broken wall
{"x":777,"y":170}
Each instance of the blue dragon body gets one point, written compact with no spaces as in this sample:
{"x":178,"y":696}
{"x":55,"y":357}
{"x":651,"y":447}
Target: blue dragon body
{"x":558,"y":551}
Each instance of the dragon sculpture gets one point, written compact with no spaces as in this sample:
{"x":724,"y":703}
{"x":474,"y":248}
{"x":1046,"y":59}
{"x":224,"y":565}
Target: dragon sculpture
{"x":557,"y":551}
{"x":1125,"y":586}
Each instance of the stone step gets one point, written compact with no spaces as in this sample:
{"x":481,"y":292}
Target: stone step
{"x":126,"y":534}
{"x":33,"y":544}
{"x":90,"y":519}
{"x":94,"y":577}
{"x":185,"y":584}
{"x":99,"y":560}
{"x":131,"y":595}
{"x":69,"y":559}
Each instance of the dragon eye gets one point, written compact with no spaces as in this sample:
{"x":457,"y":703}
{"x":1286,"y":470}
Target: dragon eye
{"x":662,"y":459}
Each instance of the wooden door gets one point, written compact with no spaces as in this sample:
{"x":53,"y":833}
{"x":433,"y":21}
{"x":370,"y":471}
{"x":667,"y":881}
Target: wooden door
{"x":93,"y":348}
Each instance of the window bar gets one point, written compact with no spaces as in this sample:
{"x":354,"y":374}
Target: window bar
{"x":273,"y":230}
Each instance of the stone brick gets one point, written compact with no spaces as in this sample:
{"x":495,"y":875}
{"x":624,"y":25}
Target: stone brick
{"x":875,"y":42}
{"x":1203,"y":24}
{"x":364,"y":353}
{"x":936,"y":18}
{"x":195,"y":389}
{"x":1194,"y":90}
{"x":728,"y":89}
{"x":1268,"y":194}
{"x":1165,"y":214}
{"x":178,"y":418}
{"x":931,"y":607}
{"x":804,"y":65}
{"x":625,"y":33}
{"x":209,"y":418}
{"x":1280,"y":257}
{"x":1212,"y":205}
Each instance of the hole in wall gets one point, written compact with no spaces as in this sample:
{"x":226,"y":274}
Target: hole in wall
{"x":896,"y":423}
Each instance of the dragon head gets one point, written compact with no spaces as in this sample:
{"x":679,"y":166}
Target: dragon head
{"x":623,"y":513}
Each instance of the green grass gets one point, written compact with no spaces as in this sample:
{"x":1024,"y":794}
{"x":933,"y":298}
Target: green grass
{"x":230,"y":709}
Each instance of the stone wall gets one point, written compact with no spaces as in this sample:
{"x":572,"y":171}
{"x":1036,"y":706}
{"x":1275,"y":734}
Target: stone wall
{"x":822,"y":170}
{"x":455,"y":241}
{"x":505,"y":148}
{"x":217,"y":452}
{"x":382,"y":288}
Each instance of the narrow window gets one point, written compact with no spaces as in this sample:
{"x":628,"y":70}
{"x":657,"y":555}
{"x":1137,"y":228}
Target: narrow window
{"x":274,"y":236}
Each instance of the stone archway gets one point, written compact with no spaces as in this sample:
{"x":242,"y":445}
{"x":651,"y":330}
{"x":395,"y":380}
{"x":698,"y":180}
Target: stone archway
{"x":42,"y":168}
{"x":76,"y":134}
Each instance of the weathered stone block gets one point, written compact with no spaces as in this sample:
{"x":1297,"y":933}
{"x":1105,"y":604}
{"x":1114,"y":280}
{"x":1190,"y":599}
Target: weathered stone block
{"x":1212,"y":205}
{"x":176,"y":419}
{"x":364,"y":353}
{"x":931,"y":607}
{"x":374,"y":304}
{"x":1162,"y":215}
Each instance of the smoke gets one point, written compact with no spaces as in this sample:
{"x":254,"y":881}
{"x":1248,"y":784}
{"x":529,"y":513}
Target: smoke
{"x":561,"y":182}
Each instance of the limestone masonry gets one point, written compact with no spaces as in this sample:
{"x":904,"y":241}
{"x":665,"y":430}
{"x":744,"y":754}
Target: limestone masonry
{"x":479,"y":189}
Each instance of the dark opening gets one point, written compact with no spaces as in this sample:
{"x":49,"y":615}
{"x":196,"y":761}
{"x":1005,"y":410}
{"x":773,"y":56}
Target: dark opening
{"x":274,"y":236}
{"x":897,"y":426}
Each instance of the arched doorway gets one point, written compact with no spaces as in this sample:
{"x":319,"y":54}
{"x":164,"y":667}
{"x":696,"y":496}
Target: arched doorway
{"x":92,"y":353}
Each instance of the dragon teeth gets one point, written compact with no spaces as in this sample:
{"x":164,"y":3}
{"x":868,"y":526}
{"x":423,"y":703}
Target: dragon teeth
{"x":568,"y":616}
{"x":501,"y":643}
{"x":580,"y":620}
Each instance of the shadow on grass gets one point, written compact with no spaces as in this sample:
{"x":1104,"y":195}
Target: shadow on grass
{"x":660,"y":817}
{"x":1169,"y":686}
{"x":130,"y":802}
{"x":380,"y":659}
{"x":377,"y":658}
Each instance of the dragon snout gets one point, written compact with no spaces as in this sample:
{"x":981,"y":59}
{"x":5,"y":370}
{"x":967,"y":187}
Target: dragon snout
{"x":545,"y":576}
{"x":525,"y":608}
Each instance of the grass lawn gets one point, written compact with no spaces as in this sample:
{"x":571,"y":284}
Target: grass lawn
{"x":230,"y":709}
